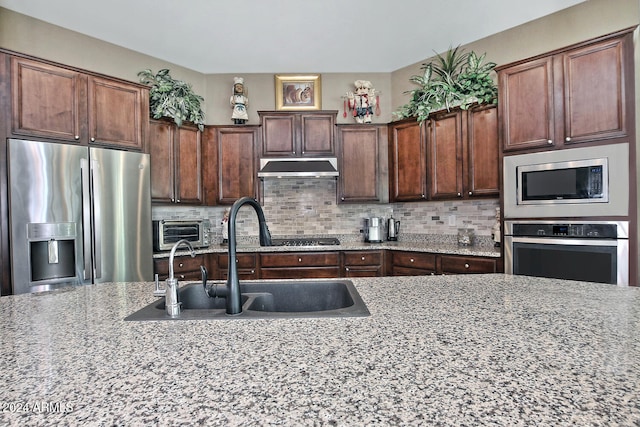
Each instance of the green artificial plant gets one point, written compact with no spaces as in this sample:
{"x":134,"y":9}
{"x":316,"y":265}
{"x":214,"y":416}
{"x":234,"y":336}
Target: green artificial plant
{"x":172,"y":98}
{"x":453,"y":79}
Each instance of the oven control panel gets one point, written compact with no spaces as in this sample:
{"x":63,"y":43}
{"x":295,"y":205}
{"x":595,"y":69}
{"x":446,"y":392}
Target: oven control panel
{"x":572,"y":230}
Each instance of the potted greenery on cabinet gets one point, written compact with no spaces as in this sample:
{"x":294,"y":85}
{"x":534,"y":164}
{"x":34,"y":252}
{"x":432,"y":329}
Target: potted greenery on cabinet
{"x":453,"y":79}
{"x":172,"y":98}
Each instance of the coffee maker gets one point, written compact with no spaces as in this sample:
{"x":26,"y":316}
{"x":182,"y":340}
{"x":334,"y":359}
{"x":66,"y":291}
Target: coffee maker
{"x":373,"y":230}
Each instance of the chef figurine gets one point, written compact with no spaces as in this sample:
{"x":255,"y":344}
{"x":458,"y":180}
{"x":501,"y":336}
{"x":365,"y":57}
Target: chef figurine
{"x":239,"y":102}
{"x":363,"y":101}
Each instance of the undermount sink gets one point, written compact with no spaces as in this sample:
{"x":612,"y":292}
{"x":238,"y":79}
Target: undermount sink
{"x":267,"y":299}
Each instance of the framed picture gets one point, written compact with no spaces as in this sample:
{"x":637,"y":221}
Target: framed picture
{"x":298,"y":92}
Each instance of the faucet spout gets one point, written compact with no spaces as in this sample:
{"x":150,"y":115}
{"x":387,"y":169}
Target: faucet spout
{"x":234,"y":298}
{"x":172,"y":305}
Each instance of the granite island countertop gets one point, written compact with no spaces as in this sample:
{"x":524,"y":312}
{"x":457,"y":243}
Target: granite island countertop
{"x":436,"y":350}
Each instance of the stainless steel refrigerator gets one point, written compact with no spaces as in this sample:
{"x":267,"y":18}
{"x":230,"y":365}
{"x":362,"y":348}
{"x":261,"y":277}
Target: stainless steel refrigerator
{"x":78,"y":215}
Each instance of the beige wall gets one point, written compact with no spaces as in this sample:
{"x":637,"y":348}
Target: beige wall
{"x":575,"y":24}
{"x":34,"y":37}
{"x":581,"y":22}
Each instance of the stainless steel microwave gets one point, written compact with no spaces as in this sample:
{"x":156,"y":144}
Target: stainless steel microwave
{"x":167,"y":232}
{"x":575,"y":182}
{"x":578,"y":181}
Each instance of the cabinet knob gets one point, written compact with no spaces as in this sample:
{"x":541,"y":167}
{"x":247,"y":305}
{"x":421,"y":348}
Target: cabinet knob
{"x":342,"y":198}
{"x":466,"y":266}
{"x":299,"y":259}
{"x":77,"y":137}
{"x":180,"y":265}
{"x":346,"y":268}
{"x":423,"y":196}
{"x":177,"y":200}
{"x":549,"y":141}
{"x":93,"y":139}
{"x":182,"y":276}
{"x":411,"y":260}
{"x":362,"y":258}
{"x":253,"y":271}
{"x":459,"y":195}
{"x":471,"y":193}
{"x":568,"y":139}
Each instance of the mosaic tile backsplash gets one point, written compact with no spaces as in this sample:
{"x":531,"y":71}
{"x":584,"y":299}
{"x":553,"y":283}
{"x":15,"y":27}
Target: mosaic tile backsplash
{"x":308,"y":207}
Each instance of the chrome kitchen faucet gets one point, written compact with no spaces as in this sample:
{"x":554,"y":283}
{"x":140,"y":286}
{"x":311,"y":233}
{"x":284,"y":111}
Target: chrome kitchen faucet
{"x":172,"y":305}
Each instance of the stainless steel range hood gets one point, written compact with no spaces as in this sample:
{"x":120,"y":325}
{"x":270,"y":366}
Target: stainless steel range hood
{"x":298,"y":167}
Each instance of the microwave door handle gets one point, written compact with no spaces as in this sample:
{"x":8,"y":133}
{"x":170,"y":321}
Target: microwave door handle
{"x":86,"y":218}
{"x":96,"y":189}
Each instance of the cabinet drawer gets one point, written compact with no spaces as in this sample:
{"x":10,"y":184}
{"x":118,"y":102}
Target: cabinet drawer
{"x":414,"y":260}
{"x":407,"y":271}
{"x":242,"y":261}
{"x":300,"y":259}
{"x":457,"y":264}
{"x":300,"y":273}
{"x":184,"y":267}
{"x":362,"y":258}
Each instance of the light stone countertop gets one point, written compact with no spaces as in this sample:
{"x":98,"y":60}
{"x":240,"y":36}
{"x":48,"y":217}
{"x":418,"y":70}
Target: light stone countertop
{"x":436,"y":350}
{"x":432,"y":247}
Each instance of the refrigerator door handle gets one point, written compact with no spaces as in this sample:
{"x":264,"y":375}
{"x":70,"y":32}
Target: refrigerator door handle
{"x":96,"y":186}
{"x":86,"y":218}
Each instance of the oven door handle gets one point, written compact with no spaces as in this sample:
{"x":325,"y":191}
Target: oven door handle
{"x":560,"y":241}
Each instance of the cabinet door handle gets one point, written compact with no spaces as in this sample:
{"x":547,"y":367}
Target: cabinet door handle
{"x":299,"y":259}
{"x":346,"y":268}
{"x":77,"y":137}
{"x":411,"y":260}
{"x":459,"y":195}
{"x":466,"y":266}
{"x":181,"y":265}
{"x":362,"y":258}
{"x":549,"y":141}
{"x":93,"y":139}
{"x":182,"y":276}
{"x":568,"y":139}
{"x":471,"y":193}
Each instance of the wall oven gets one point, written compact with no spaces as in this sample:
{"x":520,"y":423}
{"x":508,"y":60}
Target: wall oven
{"x":576,"y":182}
{"x":594,"y":251}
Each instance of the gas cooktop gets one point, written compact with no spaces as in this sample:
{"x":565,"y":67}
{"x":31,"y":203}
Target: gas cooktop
{"x":310,"y":241}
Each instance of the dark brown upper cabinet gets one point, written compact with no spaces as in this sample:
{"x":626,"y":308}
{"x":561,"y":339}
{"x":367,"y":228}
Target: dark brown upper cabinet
{"x":579,"y":94}
{"x":299,"y":134}
{"x":231,"y":165}
{"x":407,"y":161}
{"x":63,"y":104}
{"x":176,"y":163}
{"x":361,"y":164}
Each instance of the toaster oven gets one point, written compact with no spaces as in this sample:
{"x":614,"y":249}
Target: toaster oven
{"x":167,"y":232}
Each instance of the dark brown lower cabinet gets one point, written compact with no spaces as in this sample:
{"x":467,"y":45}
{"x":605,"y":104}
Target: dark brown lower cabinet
{"x":363,"y":264}
{"x":184,"y":267}
{"x":456,"y":264}
{"x":411,"y":263}
{"x":246,"y":264}
{"x":299,"y":265}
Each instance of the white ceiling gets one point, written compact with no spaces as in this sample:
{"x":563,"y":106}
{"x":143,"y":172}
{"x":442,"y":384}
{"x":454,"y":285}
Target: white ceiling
{"x":299,"y":36}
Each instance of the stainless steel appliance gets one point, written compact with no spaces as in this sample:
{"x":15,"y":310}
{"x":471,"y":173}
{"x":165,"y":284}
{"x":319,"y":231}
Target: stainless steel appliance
{"x":594,"y":251}
{"x":577,"y":182}
{"x":393,"y":229}
{"x":306,"y":241}
{"x":373,"y":230}
{"x":167,"y":233}
{"x":78,"y":215}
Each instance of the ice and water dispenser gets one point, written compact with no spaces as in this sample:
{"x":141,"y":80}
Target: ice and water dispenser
{"x":52,"y":253}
